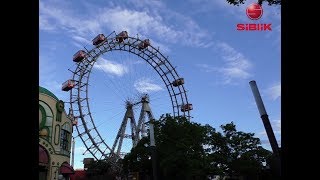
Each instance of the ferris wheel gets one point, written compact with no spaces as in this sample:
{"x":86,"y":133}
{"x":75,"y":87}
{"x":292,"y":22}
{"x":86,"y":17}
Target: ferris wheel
{"x":110,"y":59}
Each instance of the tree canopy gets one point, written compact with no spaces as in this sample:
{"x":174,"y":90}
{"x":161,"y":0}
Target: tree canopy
{"x":188,"y":150}
{"x":270,"y":2}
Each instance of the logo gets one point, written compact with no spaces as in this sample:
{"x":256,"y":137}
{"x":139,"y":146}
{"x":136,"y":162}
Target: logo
{"x":254,"y":12}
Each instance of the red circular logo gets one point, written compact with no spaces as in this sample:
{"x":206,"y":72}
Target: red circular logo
{"x":254,"y":11}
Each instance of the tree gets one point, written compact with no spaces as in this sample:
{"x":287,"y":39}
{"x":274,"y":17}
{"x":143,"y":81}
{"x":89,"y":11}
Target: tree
{"x":138,"y":160}
{"x":188,"y":150}
{"x":98,"y":167}
{"x":101,"y":168}
{"x":236,"y":152}
{"x":270,"y":2}
{"x":180,"y":143}
{"x":179,"y":146}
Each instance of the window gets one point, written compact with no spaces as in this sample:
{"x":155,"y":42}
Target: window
{"x":45,"y":119}
{"x":65,"y":139}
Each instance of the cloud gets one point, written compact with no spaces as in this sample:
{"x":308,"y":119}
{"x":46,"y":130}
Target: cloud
{"x":275,"y":36}
{"x":206,"y":68}
{"x":162,"y":46}
{"x":47,"y":16}
{"x":60,"y":18}
{"x":111,"y":67}
{"x":53,"y":85}
{"x":234,"y":73}
{"x":44,"y":24}
{"x":152,"y":5}
{"x":143,"y":22}
{"x":147,"y":21}
{"x":46,"y":68}
{"x":81,"y":39}
{"x":183,"y":31}
{"x":236,"y":65}
{"x":48,"y":77}
{"x":274,"y":92}
{"x":277,"y":126}
{"x":209,"y":6}
{"x":145,"y":85}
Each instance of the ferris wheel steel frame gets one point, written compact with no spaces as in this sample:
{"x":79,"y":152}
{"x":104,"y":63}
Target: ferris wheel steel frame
{"x":79,"y":99}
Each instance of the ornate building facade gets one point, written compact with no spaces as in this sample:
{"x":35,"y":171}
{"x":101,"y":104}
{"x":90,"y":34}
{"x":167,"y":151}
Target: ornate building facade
{"x":55,"y":134}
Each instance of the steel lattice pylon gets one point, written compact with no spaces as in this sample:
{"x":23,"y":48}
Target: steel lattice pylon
{"x":79,"y":100}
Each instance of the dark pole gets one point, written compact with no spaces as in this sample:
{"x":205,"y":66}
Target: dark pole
{"x":264,"y":117}
{"x":153,"y":150}
{"x":266,"y":123}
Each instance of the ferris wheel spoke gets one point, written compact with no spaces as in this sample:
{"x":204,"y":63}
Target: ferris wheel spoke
{"x":110,"y":119}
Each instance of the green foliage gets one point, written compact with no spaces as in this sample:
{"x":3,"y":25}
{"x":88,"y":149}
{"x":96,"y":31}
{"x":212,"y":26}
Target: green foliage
{"x":101,"y":169}
{"x":270,"y":2}
{"x":235,"y":152}
{"x":180,"y":148}
{"x":98,"y":168}
{"x":188,"y":150}
{"x":138,"y":160}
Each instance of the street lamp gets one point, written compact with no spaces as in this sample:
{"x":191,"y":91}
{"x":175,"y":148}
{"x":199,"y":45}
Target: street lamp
{"x":153,"y":149}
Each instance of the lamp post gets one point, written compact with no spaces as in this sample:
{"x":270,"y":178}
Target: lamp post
{"x":267,"y":125}
{"x":264,"y":117}
{"x":153,"y":150}
{"x":72,"y":155}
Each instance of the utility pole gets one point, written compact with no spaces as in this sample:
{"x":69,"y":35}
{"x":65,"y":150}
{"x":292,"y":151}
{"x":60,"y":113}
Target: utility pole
{"x":267,"y":125}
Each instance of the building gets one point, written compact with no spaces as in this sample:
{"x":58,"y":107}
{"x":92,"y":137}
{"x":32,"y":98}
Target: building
{"x":55,"y":133}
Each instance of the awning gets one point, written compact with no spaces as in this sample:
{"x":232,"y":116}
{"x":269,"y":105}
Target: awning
{"x":65,"y":168}
{"x":43,"y":156}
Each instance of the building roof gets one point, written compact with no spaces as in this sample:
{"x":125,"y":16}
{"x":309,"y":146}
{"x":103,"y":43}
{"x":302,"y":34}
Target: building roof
{"x":47,"y":92}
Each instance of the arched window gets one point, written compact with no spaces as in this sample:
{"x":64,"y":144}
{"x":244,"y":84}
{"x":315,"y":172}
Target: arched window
{"x":65,"y":139}
{"x":45,"y":119}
